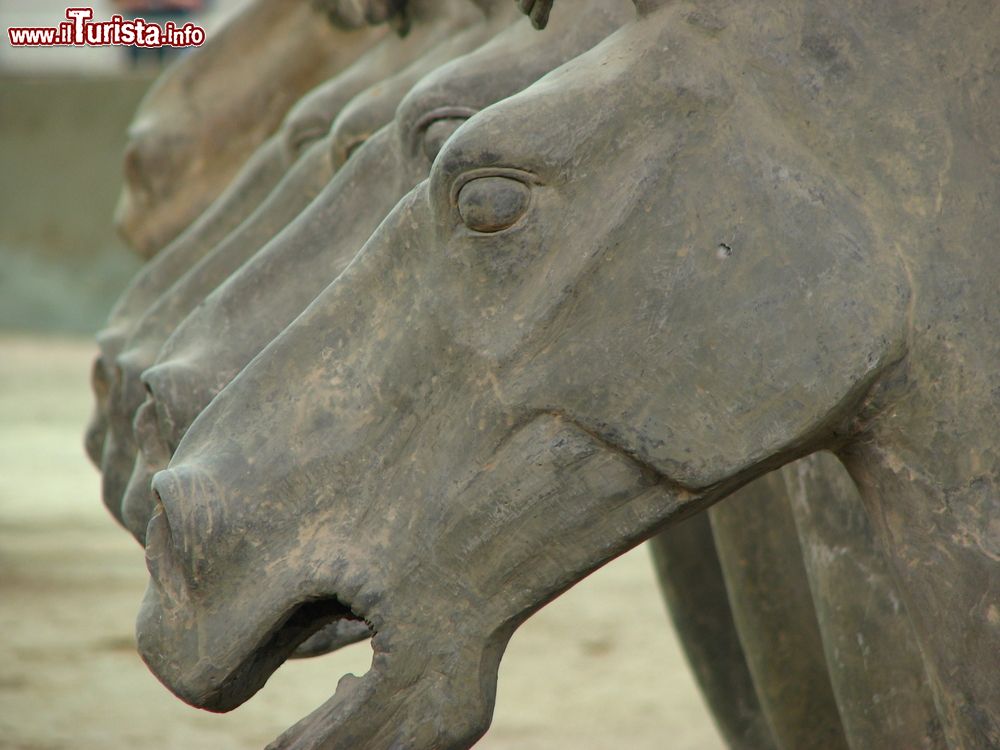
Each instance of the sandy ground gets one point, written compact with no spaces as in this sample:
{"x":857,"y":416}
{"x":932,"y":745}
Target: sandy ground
{"x":598,"y":668}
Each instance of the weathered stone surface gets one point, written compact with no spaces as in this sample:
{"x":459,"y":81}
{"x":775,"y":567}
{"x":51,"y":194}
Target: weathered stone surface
{"x":873,"y":660}
{"x":358,"y":89}
{"x":860,"y":625}
{"x":751,"y":233}
{"x":266,"y":294}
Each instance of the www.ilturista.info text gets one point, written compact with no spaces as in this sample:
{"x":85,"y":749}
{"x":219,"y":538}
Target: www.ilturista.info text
{"x":80,"y":30}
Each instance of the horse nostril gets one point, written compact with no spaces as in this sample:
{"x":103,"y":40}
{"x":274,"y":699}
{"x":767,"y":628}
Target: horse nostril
{"x":147,"y":422}
{"x":158,"y":489}
{"x":146,"y":427}
{"x":161,"y":555}
{"x":93,"y":440}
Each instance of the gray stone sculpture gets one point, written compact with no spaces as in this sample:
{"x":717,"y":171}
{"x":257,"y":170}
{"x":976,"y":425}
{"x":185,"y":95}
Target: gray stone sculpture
{"x":309,"y":121}
{"x":762,"y":628}
{"x":758,"y":233}
{"x":876,"y":673}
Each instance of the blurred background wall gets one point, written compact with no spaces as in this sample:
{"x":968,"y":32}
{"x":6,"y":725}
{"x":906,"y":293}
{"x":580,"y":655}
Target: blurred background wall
{"x":63,"y":116}
{"x":62,"y":138}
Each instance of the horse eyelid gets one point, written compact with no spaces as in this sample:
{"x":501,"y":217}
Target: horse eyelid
{"x":512,"y":173}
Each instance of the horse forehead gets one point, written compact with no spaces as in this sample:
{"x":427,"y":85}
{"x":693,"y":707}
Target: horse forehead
{"x":627,"y":110}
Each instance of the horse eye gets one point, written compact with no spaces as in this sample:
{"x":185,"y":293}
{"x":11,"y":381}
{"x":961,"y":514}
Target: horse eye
{"x":437,"y":134}
{"x":299,"y":143}
{"x":302,"y":135}
{"x":491,"y":204}
{"x":353,"y":146}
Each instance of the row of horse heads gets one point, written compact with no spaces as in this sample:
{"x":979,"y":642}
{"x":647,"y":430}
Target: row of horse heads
{"x":445,"y":307}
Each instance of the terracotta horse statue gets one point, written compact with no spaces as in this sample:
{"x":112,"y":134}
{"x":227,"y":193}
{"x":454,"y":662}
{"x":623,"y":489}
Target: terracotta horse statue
{"x":764,"y":240}
{"x":193,"y":366}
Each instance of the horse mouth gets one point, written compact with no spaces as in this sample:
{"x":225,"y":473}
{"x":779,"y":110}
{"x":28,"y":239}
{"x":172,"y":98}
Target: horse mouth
{"x":340,"y":633}
{"x":309,"y":619}
{"x":309,"y":627}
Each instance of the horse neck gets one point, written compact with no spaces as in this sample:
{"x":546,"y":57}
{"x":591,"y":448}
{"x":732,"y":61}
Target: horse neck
{"x":936,"y":521}
{"x":898,"y":100}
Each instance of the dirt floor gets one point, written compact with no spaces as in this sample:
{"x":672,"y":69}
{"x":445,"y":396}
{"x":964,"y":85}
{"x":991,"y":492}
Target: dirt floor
{"x":599,"y":668}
